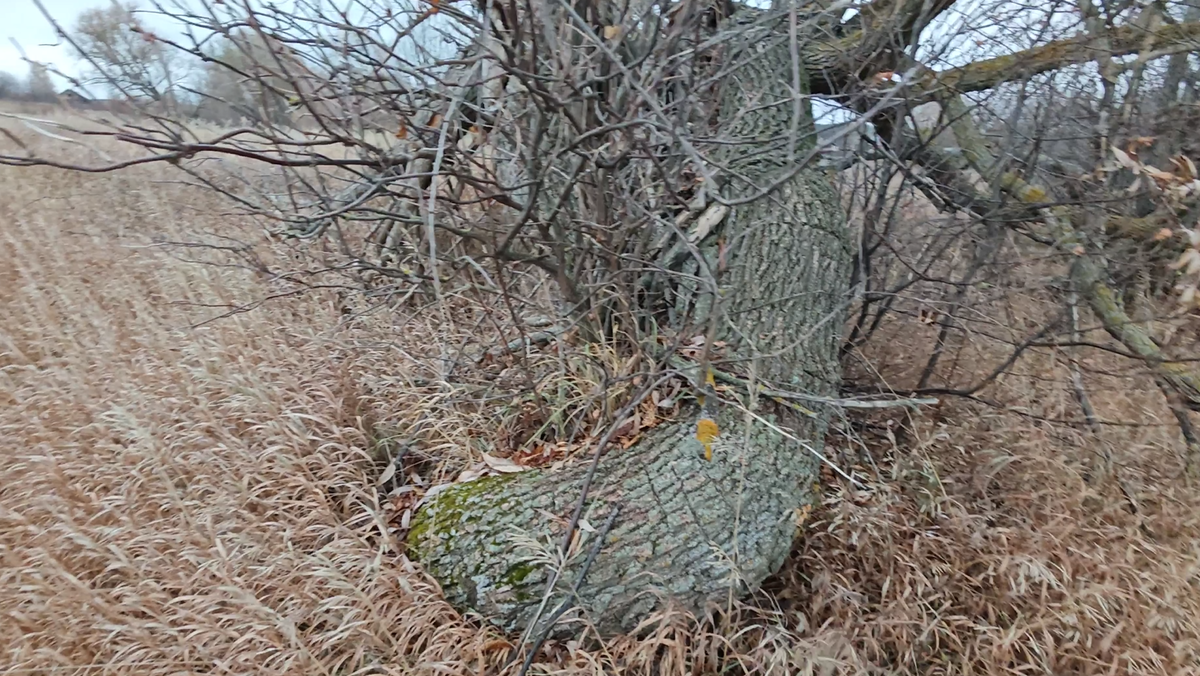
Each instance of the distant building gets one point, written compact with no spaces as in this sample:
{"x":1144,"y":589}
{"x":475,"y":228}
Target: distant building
{"x":77,"y":99}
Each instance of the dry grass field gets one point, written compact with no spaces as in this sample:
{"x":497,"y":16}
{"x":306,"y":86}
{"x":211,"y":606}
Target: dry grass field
{"x":185,"y":496}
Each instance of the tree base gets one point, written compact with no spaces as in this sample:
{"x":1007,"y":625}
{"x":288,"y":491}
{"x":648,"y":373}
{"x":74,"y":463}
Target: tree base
{"x":689,"y":529}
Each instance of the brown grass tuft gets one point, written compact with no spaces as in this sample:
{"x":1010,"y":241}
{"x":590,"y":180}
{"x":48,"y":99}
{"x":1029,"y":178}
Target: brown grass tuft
{"x":184,"y":500}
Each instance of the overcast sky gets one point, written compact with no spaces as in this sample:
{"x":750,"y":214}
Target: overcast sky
{"x":20,"y":20}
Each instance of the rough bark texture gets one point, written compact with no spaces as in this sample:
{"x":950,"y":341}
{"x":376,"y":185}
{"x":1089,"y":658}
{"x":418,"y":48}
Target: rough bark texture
{"x":689,"y":529}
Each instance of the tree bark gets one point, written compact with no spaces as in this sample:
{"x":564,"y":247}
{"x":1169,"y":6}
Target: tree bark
{"x":690,"y":529}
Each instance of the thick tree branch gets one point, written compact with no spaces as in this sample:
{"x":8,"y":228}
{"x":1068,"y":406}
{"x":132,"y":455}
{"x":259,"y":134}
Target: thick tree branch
{"x":1084,"y":48}
{"x":873,"y":40}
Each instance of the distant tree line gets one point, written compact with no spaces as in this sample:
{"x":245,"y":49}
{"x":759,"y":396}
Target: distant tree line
{"x":36,"y":86}
{"x":123,"y":62}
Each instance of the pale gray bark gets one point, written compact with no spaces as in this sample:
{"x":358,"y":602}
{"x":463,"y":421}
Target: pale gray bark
{"x":694,"y":530}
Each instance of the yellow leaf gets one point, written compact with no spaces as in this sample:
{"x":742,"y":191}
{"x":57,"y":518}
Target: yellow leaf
{"x":611,"y":32}
{"x":801,"y":514}
{"x":706,"y":434}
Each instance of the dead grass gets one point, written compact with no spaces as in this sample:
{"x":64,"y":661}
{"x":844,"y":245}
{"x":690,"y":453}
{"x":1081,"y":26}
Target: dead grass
{"x":202,"y":500}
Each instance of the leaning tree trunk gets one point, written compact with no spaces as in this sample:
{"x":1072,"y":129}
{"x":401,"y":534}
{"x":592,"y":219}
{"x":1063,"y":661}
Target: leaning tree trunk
{"x":688,"y":528}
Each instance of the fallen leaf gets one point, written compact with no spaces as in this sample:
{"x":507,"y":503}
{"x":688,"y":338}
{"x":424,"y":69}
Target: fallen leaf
{"x":1185,"y":259}
{"x":630,"y":424}
{"x":1188,"y":296}
{"x":1184,"y":167}
{"x":1124,"y":159}
{"x":467,"y":142}
{"x":387,"y":474}
{"x":801,"y":515}
{"x":496,"y":646}
{"x":1163,"y":177}
{"x":503,"y":465}
{"x":611,"y":32}
{"x":401,"y":490}
{"x":648,"y":416}
{"x":704,"y":225}
{"x":469,"y":475}
{"x":1163,"y":234}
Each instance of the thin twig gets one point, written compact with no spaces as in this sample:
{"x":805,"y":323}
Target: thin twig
{"x":565,"y":545}
{"x":569,"y":601}
{"x":912,"y":402}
